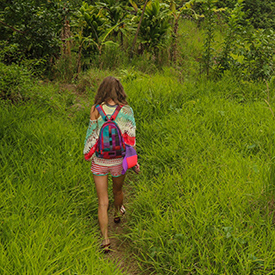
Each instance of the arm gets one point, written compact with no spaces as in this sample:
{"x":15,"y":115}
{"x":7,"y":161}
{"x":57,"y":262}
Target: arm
{"x":128,"y":125}
{"x":91,"y":135}
{"x":94,"y":114}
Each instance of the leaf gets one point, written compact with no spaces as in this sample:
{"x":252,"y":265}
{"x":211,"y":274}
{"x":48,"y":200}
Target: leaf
{"x":173,"y":7}
{"x":253,"y":258}
{"x":255,"y":168}
{"x":228,"y":235}
{"x":111,"y":43}
{"x":252,"y":146}
{"x":239,"y":58}
{"x":179,"y":236}
{"x":103,"y":38}
{"x":228,"y":229}
{"x":240,"y":240}
{"x":134,"y":5}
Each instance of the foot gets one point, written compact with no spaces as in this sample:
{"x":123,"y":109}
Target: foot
{"x":122,"y":211}
{"x":117,"y":219}
{"x":106,"y":246}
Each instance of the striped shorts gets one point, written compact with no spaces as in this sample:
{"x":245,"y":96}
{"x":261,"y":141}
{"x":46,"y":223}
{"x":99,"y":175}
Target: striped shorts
{"x":101,"y":170}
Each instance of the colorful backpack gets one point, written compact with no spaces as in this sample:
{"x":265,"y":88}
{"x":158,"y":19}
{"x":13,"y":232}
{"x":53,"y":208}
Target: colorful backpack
{"x":110,"y":143}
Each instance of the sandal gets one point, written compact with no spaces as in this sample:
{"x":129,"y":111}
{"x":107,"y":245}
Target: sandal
{"x":117,"y":219}
{"x":122,"y":212}
{"x":106,"y":248}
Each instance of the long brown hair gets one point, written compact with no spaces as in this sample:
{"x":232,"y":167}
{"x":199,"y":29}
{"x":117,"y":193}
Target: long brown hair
{"x":110,"y":88}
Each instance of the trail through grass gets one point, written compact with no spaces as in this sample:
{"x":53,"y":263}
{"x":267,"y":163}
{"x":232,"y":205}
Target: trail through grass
{"x":203,"y":203}
{"x":48,"y":203}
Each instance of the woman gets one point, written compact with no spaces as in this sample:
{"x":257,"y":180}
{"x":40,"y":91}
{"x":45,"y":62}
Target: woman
{"x":110,"y":94}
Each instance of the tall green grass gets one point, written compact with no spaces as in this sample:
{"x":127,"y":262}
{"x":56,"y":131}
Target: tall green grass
{"x":47,"y":198}
{"x":201,"y":205}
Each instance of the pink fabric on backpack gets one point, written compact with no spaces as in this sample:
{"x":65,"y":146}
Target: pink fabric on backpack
{"x":130,"y":159}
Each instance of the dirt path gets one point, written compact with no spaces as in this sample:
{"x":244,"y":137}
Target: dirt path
{"x":121,"y":254}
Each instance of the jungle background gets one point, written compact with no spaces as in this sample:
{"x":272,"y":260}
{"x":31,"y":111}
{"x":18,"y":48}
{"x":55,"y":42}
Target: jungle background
{"x":200,"y":79}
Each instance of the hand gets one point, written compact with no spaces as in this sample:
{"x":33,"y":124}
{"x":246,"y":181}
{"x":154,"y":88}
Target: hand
{"x":136,"y":168}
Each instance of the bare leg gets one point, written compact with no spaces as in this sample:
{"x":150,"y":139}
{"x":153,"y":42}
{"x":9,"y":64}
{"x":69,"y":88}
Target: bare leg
{"x":101,"y":184}
{"x":117,"y":191}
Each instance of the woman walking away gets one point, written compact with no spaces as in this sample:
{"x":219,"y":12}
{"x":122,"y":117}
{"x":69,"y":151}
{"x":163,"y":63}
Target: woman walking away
{"x":112,"y":128}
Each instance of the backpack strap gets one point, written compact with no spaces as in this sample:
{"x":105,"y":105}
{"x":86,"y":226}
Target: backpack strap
{"x":114,"y":115}
{"x":102,"y":112}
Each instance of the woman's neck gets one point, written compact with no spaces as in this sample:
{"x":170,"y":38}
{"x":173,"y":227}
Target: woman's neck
{"x":110,"y":102}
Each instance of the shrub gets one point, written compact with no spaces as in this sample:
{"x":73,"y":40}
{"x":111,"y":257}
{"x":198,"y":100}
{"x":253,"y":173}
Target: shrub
{"x":154,"y":27}
{"x":15,"y":82}
{"x":65,"y":68}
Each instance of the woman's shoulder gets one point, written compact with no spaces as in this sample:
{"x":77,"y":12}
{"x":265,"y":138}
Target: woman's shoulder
{"x":126,"y":113}
{"x":127,"y":108}
{"x":94,"y":114}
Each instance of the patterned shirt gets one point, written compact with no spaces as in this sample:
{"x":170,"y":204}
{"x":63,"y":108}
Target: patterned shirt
{"x":126,"y":122}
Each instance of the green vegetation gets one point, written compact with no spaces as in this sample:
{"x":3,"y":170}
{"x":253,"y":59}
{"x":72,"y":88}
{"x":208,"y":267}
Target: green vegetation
{"x":60,"y":39}
{"x":204,"y":102}
{"x":204,"y":200}
{"x":202,"y":205}
{"x":48,"y":205}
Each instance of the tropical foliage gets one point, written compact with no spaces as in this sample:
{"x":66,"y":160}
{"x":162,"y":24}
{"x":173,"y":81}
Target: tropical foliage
{"x":48,"y":36}
{"x":33,"y":28}
{"x":154,"y":26}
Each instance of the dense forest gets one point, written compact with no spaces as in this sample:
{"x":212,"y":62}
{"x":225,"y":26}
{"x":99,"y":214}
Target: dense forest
{"x":60,"y":39}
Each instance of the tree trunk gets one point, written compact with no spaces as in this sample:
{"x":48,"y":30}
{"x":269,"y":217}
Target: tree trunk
{"x":79,"y":59}
{"x":135,"y":39}
{"x":174,"y":50}
{"x":121,"y":39}
{"x":65,"y":35}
